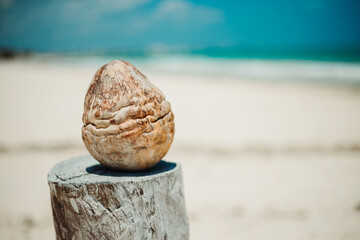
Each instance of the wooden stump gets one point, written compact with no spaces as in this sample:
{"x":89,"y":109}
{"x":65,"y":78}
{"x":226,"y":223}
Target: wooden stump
{"x":90,"y":201}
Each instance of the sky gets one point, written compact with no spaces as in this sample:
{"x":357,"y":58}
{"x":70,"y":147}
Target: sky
{"x":53,"y":25}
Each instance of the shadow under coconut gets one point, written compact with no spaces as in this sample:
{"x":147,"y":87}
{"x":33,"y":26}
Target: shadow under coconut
{"x":102,"y":170}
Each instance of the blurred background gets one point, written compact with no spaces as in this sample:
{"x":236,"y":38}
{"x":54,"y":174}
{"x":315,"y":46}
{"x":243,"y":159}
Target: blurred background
{"x":266,"y":97}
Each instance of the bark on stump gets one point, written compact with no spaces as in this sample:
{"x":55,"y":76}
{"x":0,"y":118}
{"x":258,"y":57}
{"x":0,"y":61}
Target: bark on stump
{"x":90,"y":201}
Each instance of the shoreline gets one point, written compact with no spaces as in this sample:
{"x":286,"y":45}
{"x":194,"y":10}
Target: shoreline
{"x":326,"y":73}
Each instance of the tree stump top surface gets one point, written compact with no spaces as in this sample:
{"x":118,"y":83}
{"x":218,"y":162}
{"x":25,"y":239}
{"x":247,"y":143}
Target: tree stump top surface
{"x":86,"y":170}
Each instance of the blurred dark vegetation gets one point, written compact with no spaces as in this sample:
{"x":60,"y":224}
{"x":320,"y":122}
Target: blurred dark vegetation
{"x":8,"y":53}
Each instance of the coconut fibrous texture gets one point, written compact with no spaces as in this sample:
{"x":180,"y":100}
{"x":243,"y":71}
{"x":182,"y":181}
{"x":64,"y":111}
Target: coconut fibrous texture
{"x":128,"y":124}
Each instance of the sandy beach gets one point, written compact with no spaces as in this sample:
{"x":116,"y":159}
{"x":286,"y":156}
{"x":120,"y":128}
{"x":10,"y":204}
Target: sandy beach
{"x":261,"y":159}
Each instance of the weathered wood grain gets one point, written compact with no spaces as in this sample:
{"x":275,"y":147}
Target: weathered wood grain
{"x":90,"y":201}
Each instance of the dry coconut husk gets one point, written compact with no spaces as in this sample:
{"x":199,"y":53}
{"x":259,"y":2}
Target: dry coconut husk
{"x":128,"y":124}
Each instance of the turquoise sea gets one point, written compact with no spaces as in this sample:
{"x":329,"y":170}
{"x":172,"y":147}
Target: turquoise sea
{"x":324,"y":67}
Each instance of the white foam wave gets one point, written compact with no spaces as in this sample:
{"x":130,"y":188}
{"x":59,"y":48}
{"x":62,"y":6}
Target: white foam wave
{"x":286,"y":70}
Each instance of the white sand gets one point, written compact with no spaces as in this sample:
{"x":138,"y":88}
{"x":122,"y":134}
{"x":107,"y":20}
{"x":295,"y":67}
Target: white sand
{"x":261,"y":160}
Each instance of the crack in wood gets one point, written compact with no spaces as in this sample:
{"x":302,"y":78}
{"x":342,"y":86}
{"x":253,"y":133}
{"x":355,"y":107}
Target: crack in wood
{"x":110,"y":207}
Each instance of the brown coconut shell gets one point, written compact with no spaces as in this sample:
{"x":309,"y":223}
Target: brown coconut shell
{"x":128,"y":124}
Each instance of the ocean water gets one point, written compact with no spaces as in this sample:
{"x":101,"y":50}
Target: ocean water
{"x":218,"y":68}
{"x":342,"y":73}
